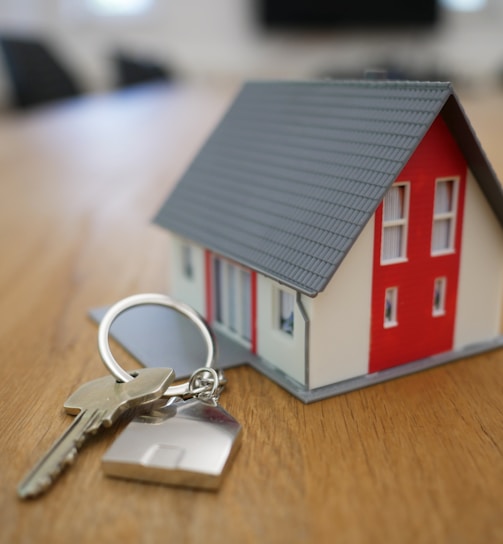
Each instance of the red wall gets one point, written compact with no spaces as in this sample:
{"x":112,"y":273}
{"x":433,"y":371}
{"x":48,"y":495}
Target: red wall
{"x":419,"y":334}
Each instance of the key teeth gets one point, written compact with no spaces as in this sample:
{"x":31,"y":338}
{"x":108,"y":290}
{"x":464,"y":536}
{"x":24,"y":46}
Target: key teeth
{"x":69,"y":459}
{"x":44,"y":483}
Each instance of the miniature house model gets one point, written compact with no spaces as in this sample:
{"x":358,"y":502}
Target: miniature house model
{"x":342,"y":232}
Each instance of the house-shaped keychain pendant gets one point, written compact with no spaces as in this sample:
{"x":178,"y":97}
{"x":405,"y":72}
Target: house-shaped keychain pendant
{"x":341,"y":233}
{"x":186,"y":443}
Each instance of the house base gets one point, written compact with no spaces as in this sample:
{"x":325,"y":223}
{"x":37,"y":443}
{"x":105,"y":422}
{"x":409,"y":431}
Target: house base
{"x":156,"y":337}
{"x":312,"y":395}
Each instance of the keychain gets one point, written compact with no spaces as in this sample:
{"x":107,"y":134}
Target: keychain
{"x":188,"y":439}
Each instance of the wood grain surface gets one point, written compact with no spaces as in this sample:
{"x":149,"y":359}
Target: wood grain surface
{"x":415,"y":460}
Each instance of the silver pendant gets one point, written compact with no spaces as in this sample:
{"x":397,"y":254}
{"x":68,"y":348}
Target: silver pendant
{"x":186,"y":443}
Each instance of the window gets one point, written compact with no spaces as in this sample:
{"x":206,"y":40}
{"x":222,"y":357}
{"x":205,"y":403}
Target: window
{"x":439,"y":288}
{"x":246,"y":303}
{"x":390,"y":307}
{"x":286,"y":307}
{"x":395,"y":218}
{"x":187,"y":262}
{"x":232,"y":297}
{"x":444,"y":216}
{"x":232,"y":290}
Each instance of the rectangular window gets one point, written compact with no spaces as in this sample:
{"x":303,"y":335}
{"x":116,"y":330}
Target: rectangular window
{"x":218,"y":290}
{"x":444,"y":216}
{"x":439,"y":289}
{"x":232,"y":290}
{"x":390,"y":307}
{"x":232,"y":294}
{"x":286,"y":307}
{"x":395,"y":220}
{"x":246,"y":304}
{"x":187,"y":262}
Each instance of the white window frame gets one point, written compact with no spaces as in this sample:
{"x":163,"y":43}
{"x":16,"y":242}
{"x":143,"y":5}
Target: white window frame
{"x":232,"y":311}
{"x":439,"y":309}
{"x":391,"y":293}
{"x":284,"y":299}
{"x":402,"y":222}
{"x":450,"y":216}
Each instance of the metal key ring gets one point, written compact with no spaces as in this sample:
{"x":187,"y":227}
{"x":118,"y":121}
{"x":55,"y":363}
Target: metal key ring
{"x":156,"y":299}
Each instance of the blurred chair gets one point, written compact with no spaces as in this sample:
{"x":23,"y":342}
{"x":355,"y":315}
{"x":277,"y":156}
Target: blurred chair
{"x":131,"y":70}
{"x":37,"y":75}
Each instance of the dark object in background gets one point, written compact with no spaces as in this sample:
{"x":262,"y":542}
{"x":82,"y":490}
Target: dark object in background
{"x":305,"y":14}
{"x":37,"y":75}
{"x":131,"y":71}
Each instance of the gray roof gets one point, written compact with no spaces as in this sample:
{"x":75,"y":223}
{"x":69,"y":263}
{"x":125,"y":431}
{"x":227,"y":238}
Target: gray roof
{"x":294,"y":171}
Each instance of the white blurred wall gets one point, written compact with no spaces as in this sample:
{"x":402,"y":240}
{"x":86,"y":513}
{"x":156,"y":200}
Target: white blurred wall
{"x":220,"y":39}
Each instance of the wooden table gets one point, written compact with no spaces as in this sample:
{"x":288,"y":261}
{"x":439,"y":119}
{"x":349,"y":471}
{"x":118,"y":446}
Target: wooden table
{"x":418,"y":459}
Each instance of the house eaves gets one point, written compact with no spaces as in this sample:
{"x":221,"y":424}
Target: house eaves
{"x":461,"y":129}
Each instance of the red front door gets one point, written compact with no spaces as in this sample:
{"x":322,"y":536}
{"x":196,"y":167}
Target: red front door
{"x":417,"y":248}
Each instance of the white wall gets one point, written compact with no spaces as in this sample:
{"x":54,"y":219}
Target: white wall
{"x":481,"y":271}
{"x":286,"y":352}
{"x":340,"y":318}
{"x":220,"y":39}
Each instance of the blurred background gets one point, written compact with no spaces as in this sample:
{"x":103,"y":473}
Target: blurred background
{"x":83,"y":46}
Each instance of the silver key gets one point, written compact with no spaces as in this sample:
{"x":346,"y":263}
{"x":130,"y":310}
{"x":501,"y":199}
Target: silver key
{"x":98,"y":403}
